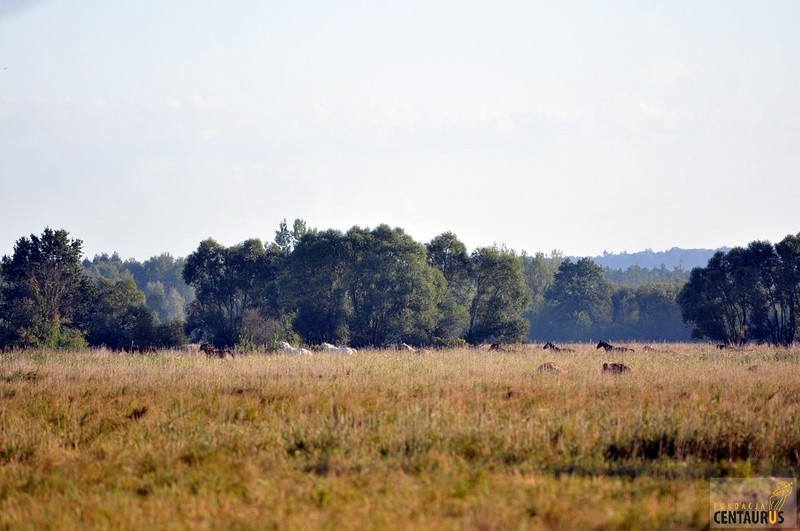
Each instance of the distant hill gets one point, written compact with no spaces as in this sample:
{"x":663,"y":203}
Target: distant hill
{"x":674,"y":258}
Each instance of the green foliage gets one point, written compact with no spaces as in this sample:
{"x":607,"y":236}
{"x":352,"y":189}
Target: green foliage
{"x":450,"y":342}
{"x":393,"y":291}
{"x":315,"y":278}
{"x":119,"y":317}
{"x":228,"y":280}
{"x":160,"y":278}
{"x":366,"y":287}
{"x":286,"y":239}
{"x":578,"y":301}
{"x":746,"y":293}
{"x":45,"y":293}
{"x":449,"y":255}
{"x":379,"y":286}
{"x":500,"y":297}
{"x":540,"y":271}
{"x":635,"y":276}
{"x":659,"y":313}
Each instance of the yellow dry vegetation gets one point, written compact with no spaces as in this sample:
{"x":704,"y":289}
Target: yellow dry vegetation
{"x":382,"y":439}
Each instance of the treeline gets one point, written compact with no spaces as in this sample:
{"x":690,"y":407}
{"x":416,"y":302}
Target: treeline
{"x":160,"y":279}
{"x":578,"y":301}
{"x":376,"y":287}
{"x":746,"y":294}
{"x":364,"y":287}
{"x":48,"y":299}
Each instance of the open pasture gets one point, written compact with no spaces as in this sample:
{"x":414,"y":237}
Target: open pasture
{"x":448,"y":440}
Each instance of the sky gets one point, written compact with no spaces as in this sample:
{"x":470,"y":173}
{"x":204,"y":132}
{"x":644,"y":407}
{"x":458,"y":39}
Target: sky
{"x":580,"y":126}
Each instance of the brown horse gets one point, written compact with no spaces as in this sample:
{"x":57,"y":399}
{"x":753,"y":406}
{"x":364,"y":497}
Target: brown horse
{"x":609,"y":347}
{"x":615,"y":368}
{"x":212,"y":352}
{"x":551,"y":367}
{"x":551,"y":346}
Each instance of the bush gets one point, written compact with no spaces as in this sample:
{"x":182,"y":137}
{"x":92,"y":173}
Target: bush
{"x":449,"y":342}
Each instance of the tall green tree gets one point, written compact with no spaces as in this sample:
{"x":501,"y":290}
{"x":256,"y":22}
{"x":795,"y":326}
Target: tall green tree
{"x":578,"y":303}
{"x":286,"y":238}
{"x":540,"y":271}
{"x":316,"y":277}
{"x":392,"y":289}
{"x":449,"y":255}
{"x":722,"y":299}
{"x":119,"y":316}
{"x":745,"y":294}
{"x":45,"y":293}
{"x":500,"y":297}
{"x":659,"y":313}
{"x":787,"y":311}
{"x":227,"y":280}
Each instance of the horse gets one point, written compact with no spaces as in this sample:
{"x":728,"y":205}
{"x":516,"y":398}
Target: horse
{"x":551,"y":346}
{"x":551,"y":367}
{"x":406,"y":347}
{"x":333,"y":349}
{"x":289,"y":349}
{"x":208,"y":349}
{"x":615,"y":368}
{"x":212,"y":352}
{"x":224,"y":353}
{"x":609,"y":347}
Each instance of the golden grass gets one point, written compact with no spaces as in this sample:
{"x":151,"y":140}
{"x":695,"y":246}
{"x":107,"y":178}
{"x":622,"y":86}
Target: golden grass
{"x":452,"y":440}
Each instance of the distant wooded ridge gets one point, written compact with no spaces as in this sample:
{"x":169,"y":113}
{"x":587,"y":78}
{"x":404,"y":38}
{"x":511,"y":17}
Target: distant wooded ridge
{"x":675,"y":258}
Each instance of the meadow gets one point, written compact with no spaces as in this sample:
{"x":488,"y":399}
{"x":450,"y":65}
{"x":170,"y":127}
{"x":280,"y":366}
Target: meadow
{"x":454,"y":439}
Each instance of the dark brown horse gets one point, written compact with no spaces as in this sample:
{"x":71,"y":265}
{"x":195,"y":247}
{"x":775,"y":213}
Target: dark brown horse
{"x":615,"y":368}
{"x":551,"y":346}
{"x":212,"y":352}
{"x":611,"y":348}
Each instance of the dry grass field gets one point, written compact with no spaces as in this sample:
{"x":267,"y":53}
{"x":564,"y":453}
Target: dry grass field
{"x":389,"y":440}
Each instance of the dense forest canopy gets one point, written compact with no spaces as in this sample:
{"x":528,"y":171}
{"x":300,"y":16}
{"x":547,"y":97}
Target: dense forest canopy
{"x":378,"y":287}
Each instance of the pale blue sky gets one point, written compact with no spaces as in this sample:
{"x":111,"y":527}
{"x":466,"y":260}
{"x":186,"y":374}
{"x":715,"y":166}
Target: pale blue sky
{"x":148,"y":126}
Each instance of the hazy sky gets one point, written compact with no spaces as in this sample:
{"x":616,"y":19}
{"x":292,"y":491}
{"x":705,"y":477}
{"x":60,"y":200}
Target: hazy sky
{"x":148,"y":126}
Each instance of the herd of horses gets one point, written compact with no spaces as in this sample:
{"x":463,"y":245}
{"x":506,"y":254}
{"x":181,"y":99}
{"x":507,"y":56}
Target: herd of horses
{"x":549,"y":367}
{"x":611,"y":368}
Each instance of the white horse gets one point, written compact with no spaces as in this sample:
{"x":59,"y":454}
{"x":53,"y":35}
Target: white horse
{"x":288,"y":349}
{"x":333,"y":349}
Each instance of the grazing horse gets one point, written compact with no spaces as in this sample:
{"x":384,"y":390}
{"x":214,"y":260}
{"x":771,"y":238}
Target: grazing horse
{"x":211,"y":352}
{"x":551,"y":346}
{"x":224,"y":353}
{"x":208,"y":349}
{"x":496,"y":346}
{"x":551,"y":367}
{"x":289,"y":349}
{"x":406,"y":347}
{"x":333,"y":349}
{"x":615,"y":368}
{"x":609,"y":347}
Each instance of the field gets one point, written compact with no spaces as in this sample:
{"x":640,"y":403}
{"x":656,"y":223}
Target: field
{"x":389,"y":440}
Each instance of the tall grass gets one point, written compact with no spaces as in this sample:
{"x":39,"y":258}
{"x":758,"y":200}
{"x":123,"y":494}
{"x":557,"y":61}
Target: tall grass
{"x":388,"y":440}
